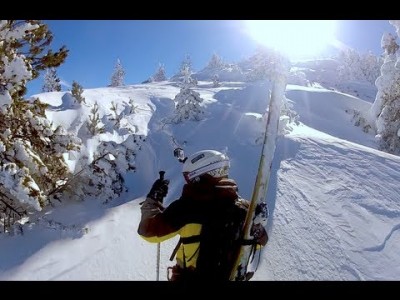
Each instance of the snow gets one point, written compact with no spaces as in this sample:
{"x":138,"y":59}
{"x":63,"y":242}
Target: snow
{"x":14,"y":69}
{"x":333,"y":197}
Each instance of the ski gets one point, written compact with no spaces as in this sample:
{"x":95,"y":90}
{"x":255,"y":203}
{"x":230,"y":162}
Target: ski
{"x":258,"y":209}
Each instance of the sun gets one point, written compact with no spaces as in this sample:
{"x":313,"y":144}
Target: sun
{"x":295,"y":38}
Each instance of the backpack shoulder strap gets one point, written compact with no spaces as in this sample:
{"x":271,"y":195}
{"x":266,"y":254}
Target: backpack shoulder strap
{"x":185,"y":240}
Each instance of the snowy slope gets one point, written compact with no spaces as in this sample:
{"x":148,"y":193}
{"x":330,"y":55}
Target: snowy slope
{"x":333,"y":197}
{"x":335,"y":215}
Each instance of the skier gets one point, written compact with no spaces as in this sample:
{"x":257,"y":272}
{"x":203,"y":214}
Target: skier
{"x":208,"y":216}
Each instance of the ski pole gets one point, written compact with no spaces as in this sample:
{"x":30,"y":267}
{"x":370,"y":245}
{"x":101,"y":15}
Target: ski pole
{"x":159,"y":244}
{"x":158,"y":261}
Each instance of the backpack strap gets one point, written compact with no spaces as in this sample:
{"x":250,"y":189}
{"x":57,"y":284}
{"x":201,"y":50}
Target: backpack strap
{"x":248,"y":242}
{"x":185,"y":240}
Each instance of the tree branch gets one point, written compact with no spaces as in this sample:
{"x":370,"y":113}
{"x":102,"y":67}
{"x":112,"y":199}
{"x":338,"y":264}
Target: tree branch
{"x":9,"y":206}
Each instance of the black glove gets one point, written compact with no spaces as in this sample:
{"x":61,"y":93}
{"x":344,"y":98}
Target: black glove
{"x":159,"y":190}
{"x":260,"y":234}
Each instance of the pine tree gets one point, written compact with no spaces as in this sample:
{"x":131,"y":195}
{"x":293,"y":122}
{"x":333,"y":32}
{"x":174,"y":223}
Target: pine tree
{"x":385,"y":111}
{"x":370,"y":67}
{"x":117,"y":117}
{"x":77,"y":91}
{"x":132,"y":107}
{"x":187,"y":102}
{"x":51,"y":81}
{"x":261,"y":64}
{"x":32,"y":165}
{"x":117,"y":78}
{"x":354,"y":66}
{"x":16,"y":37}
{"x":103,"y":178}
{"x":215,"y":62}
{"x":187,"y":80}
{"x":94,"y":121}
{"x":186,"y":65}
{"x":160,"y":74}
{"x":187,"y":106}
{"x":216,"y":81}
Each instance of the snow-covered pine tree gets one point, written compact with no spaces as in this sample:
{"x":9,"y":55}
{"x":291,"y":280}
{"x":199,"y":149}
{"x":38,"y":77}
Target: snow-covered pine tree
{"x":93,"y":125}
{"x":370,"y":67}
{"x":385,"y":111}
{"x":187,"y":102}
{"x":261,"y":64}
{"x":132,"y":107}
{"x":117,"y":78}
{"x":185,"y":73}
{"x":32,"y":166}
{"x":349,"y":65}
{"x":103,"y":178}
{"x":215,"y":62}
{"x":77,"y":91}
{"x":388,"y":96}
{"x":159,"y":75}
{"x":215,"y":80}
{"x":186,"y":64}
{"x":116,"y":117}
{"x":187,"y":80}
{"x":51,"y":81}
{"x":354,"y":66}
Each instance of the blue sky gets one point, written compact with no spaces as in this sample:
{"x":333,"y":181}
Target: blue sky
{"x":95,"y":45}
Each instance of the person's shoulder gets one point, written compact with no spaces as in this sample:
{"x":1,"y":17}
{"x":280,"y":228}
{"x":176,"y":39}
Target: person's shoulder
{"x":242,"y":203}
{"x":227,"y":182}
{"x":226,"y":179}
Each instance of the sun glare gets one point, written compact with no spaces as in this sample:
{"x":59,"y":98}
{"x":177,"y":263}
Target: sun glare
{"x":295,"y":38}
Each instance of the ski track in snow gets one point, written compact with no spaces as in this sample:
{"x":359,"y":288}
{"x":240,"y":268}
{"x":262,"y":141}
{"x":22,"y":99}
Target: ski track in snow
{"x":382,"y":246}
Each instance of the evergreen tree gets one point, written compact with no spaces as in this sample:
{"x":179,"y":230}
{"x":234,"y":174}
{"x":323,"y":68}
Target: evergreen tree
{"x":117,"y":78}
{"x":216,"y":81}
{"x":32,"y":165}
{"x":187,"y":80}
{"x":18,"y":65}
{"x":103,"y":178}
{"x":51,"y":81}
{"x":186,"y":65}
{"x":261,"y":64}
{"x":187,"y":102}
{"x":77,"y":91}
{"x":385,"y":111}
{"x":160,"y":74}
{"x":354,"y":66}
{"x":370,"y":67}
{"x":94,"y":121}
{"x":116,"y":117}
{"x":215,"y":62}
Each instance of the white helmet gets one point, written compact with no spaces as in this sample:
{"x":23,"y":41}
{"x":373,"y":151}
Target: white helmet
{"x":206,"y":162}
